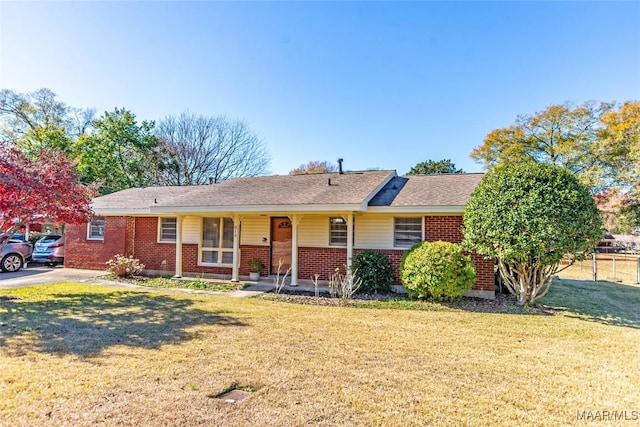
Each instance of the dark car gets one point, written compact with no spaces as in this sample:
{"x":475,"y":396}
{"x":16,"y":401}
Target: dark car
{"x":49,"y":249}
{"x":14,"y":254}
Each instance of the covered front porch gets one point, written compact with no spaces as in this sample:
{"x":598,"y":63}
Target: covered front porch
{"x":227,"y":241}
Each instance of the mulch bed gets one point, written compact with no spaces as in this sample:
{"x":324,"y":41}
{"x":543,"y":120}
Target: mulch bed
{"x":501,"y":304}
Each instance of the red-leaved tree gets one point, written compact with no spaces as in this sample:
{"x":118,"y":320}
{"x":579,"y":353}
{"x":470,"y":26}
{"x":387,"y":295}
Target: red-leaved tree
{"x":32,"y":189}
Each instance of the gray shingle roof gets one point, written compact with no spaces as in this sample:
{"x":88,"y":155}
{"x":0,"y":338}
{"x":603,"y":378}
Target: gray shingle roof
{"x":282,"y":191}
{"x":276,"y":190}
{"x":428,"y":190}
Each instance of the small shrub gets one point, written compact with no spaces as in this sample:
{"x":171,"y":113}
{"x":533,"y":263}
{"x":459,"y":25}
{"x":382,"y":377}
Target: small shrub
{"x":255,"y":265}
{"x":373,"y":271}
{"x":437,"y":270}
{"x":123,"y":266}
{"x":345,"y":285}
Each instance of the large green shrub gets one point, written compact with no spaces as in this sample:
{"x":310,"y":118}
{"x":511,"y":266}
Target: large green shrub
{"x":437,"y":270}
{"x":528,"y":216}
{"x":373,"y":269}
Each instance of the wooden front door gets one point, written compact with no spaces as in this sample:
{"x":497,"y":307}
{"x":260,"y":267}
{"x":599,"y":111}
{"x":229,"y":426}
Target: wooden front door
{"x":280,"y":244}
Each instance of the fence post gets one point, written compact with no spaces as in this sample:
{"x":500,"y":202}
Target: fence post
{"x":613,"y":267}
{"x":595,"y":268}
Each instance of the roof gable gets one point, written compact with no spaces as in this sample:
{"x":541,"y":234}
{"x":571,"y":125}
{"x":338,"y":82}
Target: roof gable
{"x":428,"y":190}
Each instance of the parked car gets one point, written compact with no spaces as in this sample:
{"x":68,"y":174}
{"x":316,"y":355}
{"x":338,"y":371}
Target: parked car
{"x":49,"y":249}
{"x":14,"y":254}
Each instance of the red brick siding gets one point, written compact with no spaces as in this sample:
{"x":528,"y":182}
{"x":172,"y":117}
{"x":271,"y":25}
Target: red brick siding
{"x":394,"y":255}
{"x":248,"y":251}
{"x":322,"y":261}
{"x":448,"y":228}
{"x":485,"y":274}
{"x":146,"y":248}
{"x":83,"y":253}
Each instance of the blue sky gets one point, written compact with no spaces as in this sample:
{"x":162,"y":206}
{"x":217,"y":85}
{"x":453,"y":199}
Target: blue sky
{"x":380,"y":84}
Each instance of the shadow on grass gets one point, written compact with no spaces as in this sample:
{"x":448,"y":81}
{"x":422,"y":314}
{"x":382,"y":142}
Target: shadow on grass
{"x":84,"y":324}
{"x":608,"y":303}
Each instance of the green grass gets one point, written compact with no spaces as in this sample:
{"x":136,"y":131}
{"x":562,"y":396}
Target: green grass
{"x":78,"y":354}
{"x":603,"y":302}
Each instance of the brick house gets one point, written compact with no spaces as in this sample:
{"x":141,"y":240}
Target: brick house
{"x":312,"y":223}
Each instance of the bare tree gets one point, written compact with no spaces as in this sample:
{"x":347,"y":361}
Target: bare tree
{"x":314,"y":166}
{"x":200,"y":149}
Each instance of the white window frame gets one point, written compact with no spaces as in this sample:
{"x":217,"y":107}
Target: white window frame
{"x":220,"y":249}
{"x":91,"y":225}
{"x":160,"y":229}
{"x":339,"y":244}
{"x":395,"y":231}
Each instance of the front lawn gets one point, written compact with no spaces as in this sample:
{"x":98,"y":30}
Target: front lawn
{"x":77,"y":354}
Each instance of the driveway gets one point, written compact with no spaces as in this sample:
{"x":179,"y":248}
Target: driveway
{"x":40,"y":274}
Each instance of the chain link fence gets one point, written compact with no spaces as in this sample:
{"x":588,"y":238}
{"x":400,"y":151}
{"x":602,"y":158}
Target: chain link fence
{"x":613,"y":267}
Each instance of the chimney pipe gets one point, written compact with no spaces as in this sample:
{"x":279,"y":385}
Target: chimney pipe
{"x":340,"y":166}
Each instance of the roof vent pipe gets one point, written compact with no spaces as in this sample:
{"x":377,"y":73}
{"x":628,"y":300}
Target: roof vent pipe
{"x":340,"y":166}
{"x":328,"y":182}
{"x":210,"y":180}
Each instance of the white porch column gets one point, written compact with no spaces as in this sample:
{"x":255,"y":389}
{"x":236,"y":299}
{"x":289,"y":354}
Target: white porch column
{"x":235,"y":274}
{"x":349,"y":241}
{"x":295,"y":220}
{"x":178,"y":246}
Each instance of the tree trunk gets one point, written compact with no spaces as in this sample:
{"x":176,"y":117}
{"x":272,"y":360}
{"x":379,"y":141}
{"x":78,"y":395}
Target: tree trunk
{"x":527,"y":281}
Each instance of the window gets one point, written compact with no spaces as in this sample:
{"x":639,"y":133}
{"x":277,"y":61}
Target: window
{"x":96,"y":229}
{"x":407,"y":232}
{"x":338,"y":231}
{"x":168,"y":227}
{"x":217,"y":241}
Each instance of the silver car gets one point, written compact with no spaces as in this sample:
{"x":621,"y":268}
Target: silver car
{"x":49,"y":249}
{"x":14,"y":254}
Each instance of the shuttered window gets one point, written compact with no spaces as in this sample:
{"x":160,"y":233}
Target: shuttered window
{"x":407,"y":232}
{"x":168,"y":227}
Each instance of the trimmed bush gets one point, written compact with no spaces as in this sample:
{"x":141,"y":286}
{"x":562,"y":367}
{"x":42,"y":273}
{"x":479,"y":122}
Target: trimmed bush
{"x":437,"y":270}
{"x":373,"y":269}
{"x":123,"y":266}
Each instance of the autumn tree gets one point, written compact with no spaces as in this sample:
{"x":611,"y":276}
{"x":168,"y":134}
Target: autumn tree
{"x":119,"y":152}
{"x":314,"y":166}
{"x":200,"y":148}
{"x":529,"y":216}
{"x":44,"y":187}
{"x":434,"y":167}
{"x":38,"y":120}
{"x":620,"y":135}
{"x":564,"y":135}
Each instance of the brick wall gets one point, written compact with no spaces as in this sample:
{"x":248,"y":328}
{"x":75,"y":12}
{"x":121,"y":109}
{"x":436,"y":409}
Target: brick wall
{"x":248,"y":251}
{"x":322,"y":261}
{"x":448,"y":228}
{"x":145,"y":246}
{"x":83,"y":253}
